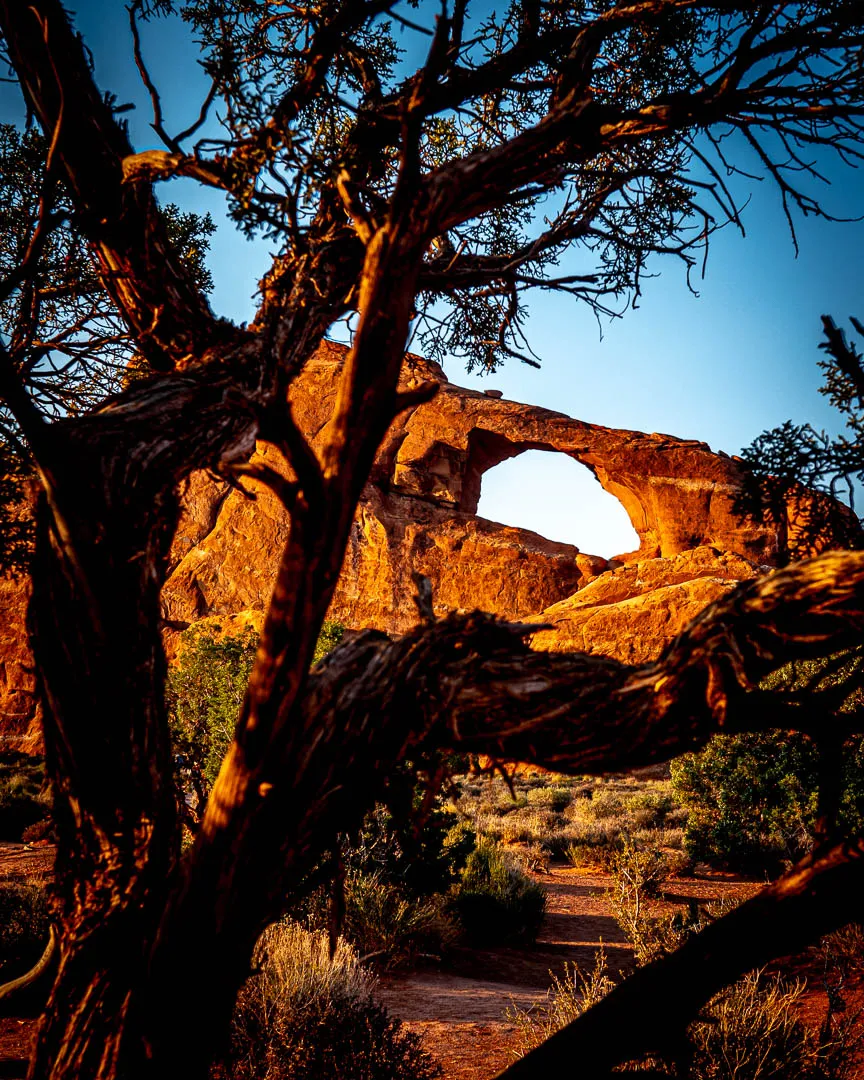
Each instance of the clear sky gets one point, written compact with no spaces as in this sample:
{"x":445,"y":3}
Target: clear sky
{"x":722,"y":368}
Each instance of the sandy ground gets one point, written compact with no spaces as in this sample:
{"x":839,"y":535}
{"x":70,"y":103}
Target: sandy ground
{"x":460,"y":1013}
{"x":460,"y":1010}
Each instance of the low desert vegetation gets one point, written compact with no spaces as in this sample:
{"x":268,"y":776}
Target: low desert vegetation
{"x":752,"y":1030}
{"x":24,"y":927}
{"x":751,"y":800}
{"x":25,"y":798}
{"x":308,"y":1015}
{"x":582,"y":820}
{"x":496,"y":901}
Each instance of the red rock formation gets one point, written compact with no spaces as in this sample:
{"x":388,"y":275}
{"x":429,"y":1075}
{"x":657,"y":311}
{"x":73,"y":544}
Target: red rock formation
{"x":419,"y":514}
{"x":19,"y":711}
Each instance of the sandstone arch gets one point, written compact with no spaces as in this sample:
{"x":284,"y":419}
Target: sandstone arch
{"x":419,"y":514}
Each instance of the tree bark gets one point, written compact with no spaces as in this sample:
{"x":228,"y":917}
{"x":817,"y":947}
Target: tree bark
{"x":308,"y":761}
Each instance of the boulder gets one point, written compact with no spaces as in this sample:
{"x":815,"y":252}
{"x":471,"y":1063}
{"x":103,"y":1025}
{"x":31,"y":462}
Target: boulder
{"x":632,"y":613}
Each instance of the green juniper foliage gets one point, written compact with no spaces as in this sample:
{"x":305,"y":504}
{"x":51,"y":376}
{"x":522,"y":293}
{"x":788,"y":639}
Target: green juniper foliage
{"x":605,"y":216}
{"x":205,"y":690}
{"x":793,"y":454}
{"x":62,"y":332}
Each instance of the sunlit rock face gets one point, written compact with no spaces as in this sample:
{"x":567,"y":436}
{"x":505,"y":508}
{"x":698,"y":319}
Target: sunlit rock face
{"x":19,"y":710}
{"x":418,"y":514}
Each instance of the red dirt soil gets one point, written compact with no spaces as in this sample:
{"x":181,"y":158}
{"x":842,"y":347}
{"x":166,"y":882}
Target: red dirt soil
{"x":460,"y":1010}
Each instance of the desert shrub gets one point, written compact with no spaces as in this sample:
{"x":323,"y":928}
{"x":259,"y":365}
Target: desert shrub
{"x":752,"y":1031}
{"x":24,"y":795}
{"x":582,"y":854}
{"x":659,"y":838}
{"x":305,"y":1015}
{"x":603,"y":804}
{"x":24,"y":927}
{"x":390,"y":924}
{"x":570,"y":994}
{"x":557,"y":842}
{"x":749,"y":1031}
{"x":204,"y":692}
{"x":423,"y":857}
{"x":751,"y":799}
{"x":573,"y":819}
{"x":552,"y":798}
{"x":397,"y":870}
{"x":637,"y":875}
{"x":530,"y":826}
{"x":496,"y":901}
{"x":843,"y":950}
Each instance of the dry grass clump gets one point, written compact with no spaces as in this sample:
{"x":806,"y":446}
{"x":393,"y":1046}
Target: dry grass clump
{"x":750,"y":1031}
{"x":385,"y":923}
{"x":569,"y":995}
{"x":304,"y":1015}
{"x":579,"y":819}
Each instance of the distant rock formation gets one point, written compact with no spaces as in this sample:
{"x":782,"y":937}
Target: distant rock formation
{"x":419,"y":513}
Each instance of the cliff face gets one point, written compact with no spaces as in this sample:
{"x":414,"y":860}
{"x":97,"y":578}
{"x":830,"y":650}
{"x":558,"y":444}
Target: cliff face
{"x":419,"y":514}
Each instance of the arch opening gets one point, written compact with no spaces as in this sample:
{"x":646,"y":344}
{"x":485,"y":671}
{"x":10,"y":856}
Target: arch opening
{"x":554,"y":495}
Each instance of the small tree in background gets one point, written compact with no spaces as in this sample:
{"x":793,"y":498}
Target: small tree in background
{"x":205,"y":691}
{"x":789,"y":462}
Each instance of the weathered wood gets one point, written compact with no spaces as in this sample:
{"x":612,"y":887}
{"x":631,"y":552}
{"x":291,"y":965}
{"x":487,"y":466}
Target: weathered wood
{"x":136,"y":925}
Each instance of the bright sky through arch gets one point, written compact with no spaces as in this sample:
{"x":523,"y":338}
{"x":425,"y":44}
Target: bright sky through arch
{"x":556,"y":496}
{"x":720,"y":368}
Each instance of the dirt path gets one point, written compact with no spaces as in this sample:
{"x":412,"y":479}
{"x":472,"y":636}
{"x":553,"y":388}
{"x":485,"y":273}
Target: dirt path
{"x":461,"y":1013}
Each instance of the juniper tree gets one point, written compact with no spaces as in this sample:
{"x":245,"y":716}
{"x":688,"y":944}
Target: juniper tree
{"x":550,"y":145}
{"x":783,"y":459}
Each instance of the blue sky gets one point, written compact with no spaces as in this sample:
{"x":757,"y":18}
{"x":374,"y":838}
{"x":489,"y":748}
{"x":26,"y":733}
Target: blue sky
{"x":721,"y":368}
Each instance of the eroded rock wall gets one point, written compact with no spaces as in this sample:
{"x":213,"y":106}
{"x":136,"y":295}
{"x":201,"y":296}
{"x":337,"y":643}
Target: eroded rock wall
{"x":419,"y":514}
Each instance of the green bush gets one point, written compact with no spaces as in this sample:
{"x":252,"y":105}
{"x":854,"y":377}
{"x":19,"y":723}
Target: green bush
{"x":24,"y":796}
{"x":496,"y":901}
{"x":204,"y":691}
{"x":24,"y":928}
{"x":305,"y":1015}
{"x":422,"y":858}
{"x":751,"y":799}
{"x":396,"y":875}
